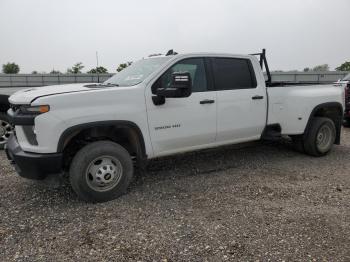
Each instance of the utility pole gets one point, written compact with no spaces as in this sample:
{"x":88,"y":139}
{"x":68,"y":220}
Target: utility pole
{"x":98,"y":75}
{"x":96,"y":59}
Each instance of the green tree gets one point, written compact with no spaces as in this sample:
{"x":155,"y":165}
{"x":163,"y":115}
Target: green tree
{"x":322,"y":68}
{"x":10,"y":68}
{"x":306,"y":69}
{"x":344,"y":67}
{"x":98,"y":70}
{"x":76,"y":69}
{"x":54,"y":72}
{"x":123,"y":66}
{"x":34,"y":72}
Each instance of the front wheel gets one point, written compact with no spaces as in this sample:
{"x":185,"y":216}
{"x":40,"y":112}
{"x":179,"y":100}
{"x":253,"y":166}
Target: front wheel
{"x":5,"y":130}
{"x":320,"y":136}
{"x":101,"y":171}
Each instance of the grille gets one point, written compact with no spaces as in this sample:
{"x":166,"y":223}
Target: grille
{"x":14,"y":107}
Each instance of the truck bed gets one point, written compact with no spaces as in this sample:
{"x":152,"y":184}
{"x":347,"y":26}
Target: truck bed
{"x":291,"y":105}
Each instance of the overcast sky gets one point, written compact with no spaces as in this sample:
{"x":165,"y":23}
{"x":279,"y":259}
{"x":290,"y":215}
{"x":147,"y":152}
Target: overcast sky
{"x":45,"y":34}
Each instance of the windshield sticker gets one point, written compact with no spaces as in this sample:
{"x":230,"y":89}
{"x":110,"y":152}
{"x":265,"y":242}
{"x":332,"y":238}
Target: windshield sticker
{"x":134,"y":77}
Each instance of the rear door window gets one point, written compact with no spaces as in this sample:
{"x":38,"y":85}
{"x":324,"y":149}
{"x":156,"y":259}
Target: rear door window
{"x":233,"y":73}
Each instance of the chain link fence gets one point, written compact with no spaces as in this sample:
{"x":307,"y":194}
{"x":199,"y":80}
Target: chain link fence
{"x":30,"y":80}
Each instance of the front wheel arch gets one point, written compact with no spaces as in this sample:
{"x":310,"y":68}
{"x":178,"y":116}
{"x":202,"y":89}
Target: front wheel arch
{"x":134,"y":134}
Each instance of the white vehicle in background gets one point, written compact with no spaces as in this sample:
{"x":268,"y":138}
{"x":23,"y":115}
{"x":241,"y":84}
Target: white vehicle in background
{"x":161,"y":106}
{"x":345,"y":83}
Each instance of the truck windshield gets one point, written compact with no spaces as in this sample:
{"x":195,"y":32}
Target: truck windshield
{"x":136,"y":72}
{"x":346,"y":78}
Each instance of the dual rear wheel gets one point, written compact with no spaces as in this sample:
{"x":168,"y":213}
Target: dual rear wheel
{"x":319,"y":137}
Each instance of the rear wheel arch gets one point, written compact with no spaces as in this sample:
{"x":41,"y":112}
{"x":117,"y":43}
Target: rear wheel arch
{"x":125,"y":133}
{"x":331,"y":110}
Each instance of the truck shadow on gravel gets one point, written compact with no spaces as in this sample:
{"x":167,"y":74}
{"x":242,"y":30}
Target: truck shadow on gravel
{"x":207,"y":163}
{"x":250,"y":155}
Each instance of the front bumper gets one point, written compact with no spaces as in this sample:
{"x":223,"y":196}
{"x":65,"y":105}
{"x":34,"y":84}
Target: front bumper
{"x":31,"y":165}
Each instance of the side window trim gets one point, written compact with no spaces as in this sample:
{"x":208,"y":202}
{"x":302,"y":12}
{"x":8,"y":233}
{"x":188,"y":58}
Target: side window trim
{"x":209,"y":73}
{"x":252,"y":73}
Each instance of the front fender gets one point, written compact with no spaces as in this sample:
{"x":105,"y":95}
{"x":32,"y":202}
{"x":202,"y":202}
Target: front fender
{"x":71,"y":131}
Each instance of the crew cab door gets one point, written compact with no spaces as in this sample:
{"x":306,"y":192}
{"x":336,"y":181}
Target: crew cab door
{"x":187,"y":123}
{"x":241,"y":100}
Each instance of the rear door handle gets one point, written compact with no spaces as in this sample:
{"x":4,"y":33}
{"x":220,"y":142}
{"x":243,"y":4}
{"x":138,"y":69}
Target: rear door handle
{"x":207,"y":101}
{"x":257,"y":97}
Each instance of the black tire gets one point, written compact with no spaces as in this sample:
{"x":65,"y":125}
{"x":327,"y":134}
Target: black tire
{"x":310,"y":141}
{"x":3,"y":117}
{"x":81,"y":180}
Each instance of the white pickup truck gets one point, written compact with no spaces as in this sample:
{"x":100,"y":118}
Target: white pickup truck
{"x":161,"y":106}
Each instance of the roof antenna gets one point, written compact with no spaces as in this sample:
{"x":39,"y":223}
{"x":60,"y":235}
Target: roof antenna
{"x":171,"y":52}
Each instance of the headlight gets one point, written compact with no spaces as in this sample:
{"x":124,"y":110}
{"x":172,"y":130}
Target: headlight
{"x":34,"y":110}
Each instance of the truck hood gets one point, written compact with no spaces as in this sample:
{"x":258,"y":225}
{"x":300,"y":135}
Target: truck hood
{"x":26,"y":96}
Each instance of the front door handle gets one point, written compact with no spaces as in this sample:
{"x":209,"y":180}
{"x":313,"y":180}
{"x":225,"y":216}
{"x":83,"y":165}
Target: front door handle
{"x":207,"y":101}
{"x":257,"y":97}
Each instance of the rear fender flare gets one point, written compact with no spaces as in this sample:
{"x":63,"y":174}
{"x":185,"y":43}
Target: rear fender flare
{"x":338,"y":124}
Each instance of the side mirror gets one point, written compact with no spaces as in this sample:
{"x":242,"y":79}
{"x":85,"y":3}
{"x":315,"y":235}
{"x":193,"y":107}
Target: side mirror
{"x":181,"y":86}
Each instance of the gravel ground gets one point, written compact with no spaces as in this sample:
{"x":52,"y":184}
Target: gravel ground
{"x":262,"y":202}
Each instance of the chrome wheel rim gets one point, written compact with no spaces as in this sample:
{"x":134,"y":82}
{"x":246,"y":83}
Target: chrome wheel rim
{"x":5,"y":131}
{"x":104,"y":173}
{"x":324,"y":138}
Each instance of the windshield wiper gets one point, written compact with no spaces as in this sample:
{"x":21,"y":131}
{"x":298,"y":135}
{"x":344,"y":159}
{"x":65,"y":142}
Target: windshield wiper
{"x":110,"y":84}
{"x":101,"y":85}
